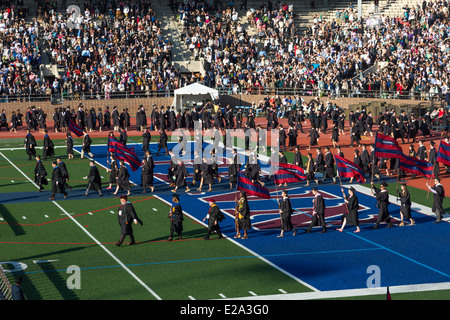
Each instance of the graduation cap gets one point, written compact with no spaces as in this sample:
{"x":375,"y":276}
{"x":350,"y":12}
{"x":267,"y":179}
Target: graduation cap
{"x":212,"y":200}
{"x":176,"y":196}
{"x":124,"y":196}
{"x":352,"y":189}
{"x":384,"y":184}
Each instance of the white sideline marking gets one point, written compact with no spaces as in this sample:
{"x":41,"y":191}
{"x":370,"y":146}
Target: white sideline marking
{"x":90,"y":235}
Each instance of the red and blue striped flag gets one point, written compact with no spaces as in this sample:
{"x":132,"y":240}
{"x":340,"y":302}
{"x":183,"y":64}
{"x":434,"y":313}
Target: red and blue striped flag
{"x":128,"y":156}
{"x":112,"y":143}
{"x":76,"y":129}
{"x":387,"y":147}
{"x":347,"y":169}
{"x":443,"y":155}
{"x":253,"y":189}
{"x":289,"y":173}
{"x":416,"y":166}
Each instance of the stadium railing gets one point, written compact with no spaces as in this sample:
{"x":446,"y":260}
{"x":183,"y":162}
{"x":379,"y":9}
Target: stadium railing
{"x":5,"y":286}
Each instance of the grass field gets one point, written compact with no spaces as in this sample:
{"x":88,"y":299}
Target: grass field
{"x":41,"y":240}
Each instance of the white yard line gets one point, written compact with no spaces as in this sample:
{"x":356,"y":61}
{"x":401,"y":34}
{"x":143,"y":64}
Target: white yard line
{"x":90,"y":235}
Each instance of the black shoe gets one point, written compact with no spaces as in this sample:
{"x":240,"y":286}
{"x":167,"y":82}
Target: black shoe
{"x":437,"y":221}
{"x":205,"y":238}
{"x":323,"y":231}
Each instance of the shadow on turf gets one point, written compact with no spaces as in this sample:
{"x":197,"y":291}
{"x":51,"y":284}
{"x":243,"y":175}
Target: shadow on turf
{"x":11,"y":221}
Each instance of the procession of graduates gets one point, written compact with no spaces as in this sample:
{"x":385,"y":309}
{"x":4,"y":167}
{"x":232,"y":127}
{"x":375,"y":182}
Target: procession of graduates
{"x":318,"y":168}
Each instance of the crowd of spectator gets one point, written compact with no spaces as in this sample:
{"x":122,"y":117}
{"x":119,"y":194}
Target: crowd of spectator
{"x":110,"y":47}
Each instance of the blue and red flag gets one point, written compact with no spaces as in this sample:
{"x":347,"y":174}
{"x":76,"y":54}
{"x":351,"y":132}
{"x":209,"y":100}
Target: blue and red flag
{"x":416,"y":166}
{"x":76,"y":129}
{"x":443,"y":154}
{"x":253,"y":189}
{"x":128,"y":156}
{"x":387,"y":147}
{"x":289,"y":173}
{"x":112,"y":143}
{"x":347,"y":169}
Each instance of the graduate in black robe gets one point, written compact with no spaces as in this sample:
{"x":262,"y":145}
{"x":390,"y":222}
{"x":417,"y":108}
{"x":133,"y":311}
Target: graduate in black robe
{"x":86,"y":147}
{"x":64,"y":173}
{"x":146,"y":137}
{"x":298,"y":160}
{"x":69,"y":145}
{"x":30,"y":144}
{"x":310,"y":169}
{"x":314,"y":138}
{"x":350,"y":216}
{"x":176,"y":218}
{"x":242,"y":216}
{"x":232,"y":172}
{"x":181,"y":175}
{"x":49,"y":148}
{"x":123,"y":182}
{"x":214,"y":216}
{"x":206,"y":175}
{"x":335,"y":136}
{"x":318,"y":214}
{"x":95,"y":181}
{"x":438,"y":197}
{"x":162,"y":142}
{"x":292,"y":134}
{"x":285,"y":209}
{"x":57,"y":182}
{"x":405,"y":204}
{"x":40,"y":174}
{"x":127,"y":216}
{"x":196,"y":175}
{"x":382,"y":197}
{"x":147,"y":174}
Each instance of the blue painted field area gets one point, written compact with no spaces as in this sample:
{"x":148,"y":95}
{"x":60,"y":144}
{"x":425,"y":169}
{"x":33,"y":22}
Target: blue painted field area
{"x":326,"y":261}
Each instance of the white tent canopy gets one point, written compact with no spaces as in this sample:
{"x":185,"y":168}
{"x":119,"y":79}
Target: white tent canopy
{"x":193,"y":94}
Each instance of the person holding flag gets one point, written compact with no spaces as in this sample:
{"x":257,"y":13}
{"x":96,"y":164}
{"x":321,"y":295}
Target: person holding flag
{"x":405,"y":208}
{"x":318,"y":214}
{"x":243,"y":216}
{"x":438,"y":197}
{"x":382,"y":197}
{"x":350,"y":217}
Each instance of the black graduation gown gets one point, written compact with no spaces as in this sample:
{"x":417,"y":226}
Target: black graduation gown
{"x":285,"y":214}
{"x":30,"y":144}
{"x":232,"y":173}
{"x":352,"y":211}
{"x":123,"y":176}
{"x":243,"y":210}
{"x":40,"y":174}
{"x":69,"y":145}
{"x":196,"y":176}
{"x":206,"y":173}
{"x":87,"y":144}
{"x":383,"y":203}
{"x":146,"y":137}
{"x":126,"y":215}
{"x":94,"y":178}
{"x":298,"y":160}
{"x":438,"y":198}
{"x":181,"y":174}
{"x":48,"y":147}
{"x":405,"y":202}
{"x":176,"y":218}
{"x":147,"y":174}
{"x":57,"y":181}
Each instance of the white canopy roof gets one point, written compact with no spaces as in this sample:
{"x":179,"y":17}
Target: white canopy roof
{"x":193,"y":93}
